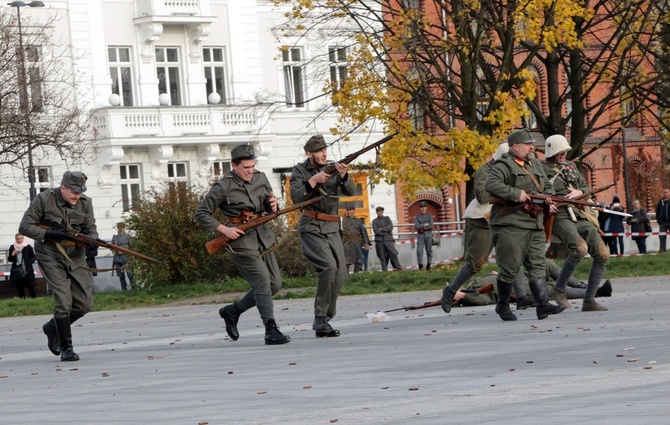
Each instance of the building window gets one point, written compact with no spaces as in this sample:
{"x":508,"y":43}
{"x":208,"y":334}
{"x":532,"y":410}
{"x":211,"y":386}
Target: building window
{"x":167,"y":71}
{"x":359,"y":200}
{"x":120,"y":71}
{"x":131,"y":184}
{"x":215,"y":71}
{"x":293,"y":77}
{"x":220,"y":168}
{"x":411,"y":4}
{"x":337,"y":56}
{"x":33,"y":103}
{"x":627,"y":107}
{"x":417,"y":115}
{"x":44,"y":178}
{"x":177,"y":171}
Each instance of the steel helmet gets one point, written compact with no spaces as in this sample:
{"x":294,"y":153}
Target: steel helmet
{"x":555,"y":144}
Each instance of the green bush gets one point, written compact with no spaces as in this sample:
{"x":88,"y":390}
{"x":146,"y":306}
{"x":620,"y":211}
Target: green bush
{"x":289,"y":255}
{"x":164,"y":228}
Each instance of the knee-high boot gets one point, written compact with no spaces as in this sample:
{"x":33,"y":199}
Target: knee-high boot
{"x":450,"y":290}
{"x":502,"y":307}
{"x":544,"y":307}
{"x":67,"y":353}
{"x":49,"y":329}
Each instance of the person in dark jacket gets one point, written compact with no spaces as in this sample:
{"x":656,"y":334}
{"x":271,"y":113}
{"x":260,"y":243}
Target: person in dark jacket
{"x":638,"y":224}
{"x":616,"y":226}
{"x":22,"y":256}
{"x":663,"y":218}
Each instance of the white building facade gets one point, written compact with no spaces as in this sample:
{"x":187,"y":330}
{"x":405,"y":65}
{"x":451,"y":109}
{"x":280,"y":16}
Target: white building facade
{"x":175,"y":85}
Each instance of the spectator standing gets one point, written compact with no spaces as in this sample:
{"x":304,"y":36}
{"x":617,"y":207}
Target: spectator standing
{"x":382,"y":227}
{"x":355,"y":240}
{"x":639,"y":223}
{"x":423,"y":224}
{"x":365,"y":251}
{"x":120,"y":261}
{"x":616,"y":226}
{"x":22,"y":256}
{"x":663,"y":218}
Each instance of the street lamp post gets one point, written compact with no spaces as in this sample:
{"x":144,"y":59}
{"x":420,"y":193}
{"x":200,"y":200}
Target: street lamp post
{"x":24,"y":91}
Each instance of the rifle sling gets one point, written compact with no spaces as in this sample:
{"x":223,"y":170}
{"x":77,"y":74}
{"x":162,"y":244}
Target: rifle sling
{"x":90,"y":269}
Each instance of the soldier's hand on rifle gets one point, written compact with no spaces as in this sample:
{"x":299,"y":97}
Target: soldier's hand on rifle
{"x":574,"y":194}
{"x":231,"y":233}
{"x":341,"y":169}
{"x":523,"y":197}
{"x":319,"y":178}
{"x":274,"y":203}
{"x":57,"y":235}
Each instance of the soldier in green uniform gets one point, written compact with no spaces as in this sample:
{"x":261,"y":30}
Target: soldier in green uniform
{"x":62,"y":261}
{"x":319,"y":225}
{"x":518,"y":233}
{"x":242,"y":195}
{"x":571,"y":225}
{"x":356,"y":240}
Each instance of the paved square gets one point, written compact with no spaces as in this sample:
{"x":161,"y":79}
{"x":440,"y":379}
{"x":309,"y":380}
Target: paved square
{"x":175,"y":365}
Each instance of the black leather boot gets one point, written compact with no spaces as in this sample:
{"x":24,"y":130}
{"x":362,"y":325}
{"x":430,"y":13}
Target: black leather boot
{"x":428,"y":266}
{"x":420,"y":266}
{"x":231,"y":315}
{"x":273,"y":335}
{"x":49,"y":329}
{"x":447,"y":299}
{"x":67,"y":353}
{"x":323,"y":328}
{"x":544,"y":308}
{"x":502,"y":306}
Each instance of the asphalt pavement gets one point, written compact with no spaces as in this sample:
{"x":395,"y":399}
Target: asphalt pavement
{"x":176,"y":365}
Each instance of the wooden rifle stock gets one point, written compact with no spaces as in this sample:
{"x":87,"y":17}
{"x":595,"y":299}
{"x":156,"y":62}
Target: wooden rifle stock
{"x":83,"y":239}
{"x":483,"y":290}
{"x":219,"y":242}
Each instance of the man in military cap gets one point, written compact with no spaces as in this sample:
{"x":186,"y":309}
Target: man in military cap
{"x":477,"y":244}
{"x":243,"y":194}
{"x":356,"y":240}
{"x":382,"y":227}
{"x":319,"y":226}
{"x":518,"y":235}
{"x":423,"y":224}
{"x":120,"y":261}
{"x":62,"y":261}
{"x":571,"y":225}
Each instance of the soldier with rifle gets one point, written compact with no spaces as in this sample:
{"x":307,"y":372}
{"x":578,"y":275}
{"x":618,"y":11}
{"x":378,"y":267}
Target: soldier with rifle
{"x":61,"y":259}
{"x":477,"y":241}
{"x":572,"y":226}
{"x":243,"y":195}
{"x":519,"y":236}
{"x":320,"y":237}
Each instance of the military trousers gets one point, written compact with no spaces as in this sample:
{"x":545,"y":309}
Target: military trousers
{"x":325,"y":253}
{"x":477,"y":244}
{"x":424,"y":242}
{"x":581,"y":237}
{"x":263,"y":275}
{"x":516,"y":247}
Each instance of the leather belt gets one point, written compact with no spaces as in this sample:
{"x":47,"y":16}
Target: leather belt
{"x":70,"y":244}
{"x":321,"y":216}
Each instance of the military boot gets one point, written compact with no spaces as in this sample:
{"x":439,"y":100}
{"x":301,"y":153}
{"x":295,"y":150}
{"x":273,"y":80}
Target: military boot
{"x":525,"y":302}
{"x":561,"y":298}
{"x":67,"y":353}
{"x":420,"y":266}
{"x":592,"y":305}
{"x":273,"y":335}
{"x":502,"y":307}
{"x":447,"y":299}
{"x":543,"y":308}
{"x":428,"y":266}
{"x":231,"y":315}
{"x":605,"y":290}
{"x":323,"y":328}
{"x":49,"y":329}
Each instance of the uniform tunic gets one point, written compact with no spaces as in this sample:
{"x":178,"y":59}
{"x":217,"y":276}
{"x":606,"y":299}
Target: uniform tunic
{"x":232,"y":195}
{"x":423,"y":223}
{"x":355,"y":235}
{"x":518,"y":238}
{"x":71,"y":285}
{"x":382,"y":227}
{"x":320,"y":240}
{"x":580,"y":236}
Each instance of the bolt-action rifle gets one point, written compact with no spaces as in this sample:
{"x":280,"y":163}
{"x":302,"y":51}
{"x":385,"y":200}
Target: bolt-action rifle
{"x":219,"y":242}
{"x":330,"y":169}
{"x":83,"y":240}
{"x":483,"y":290}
